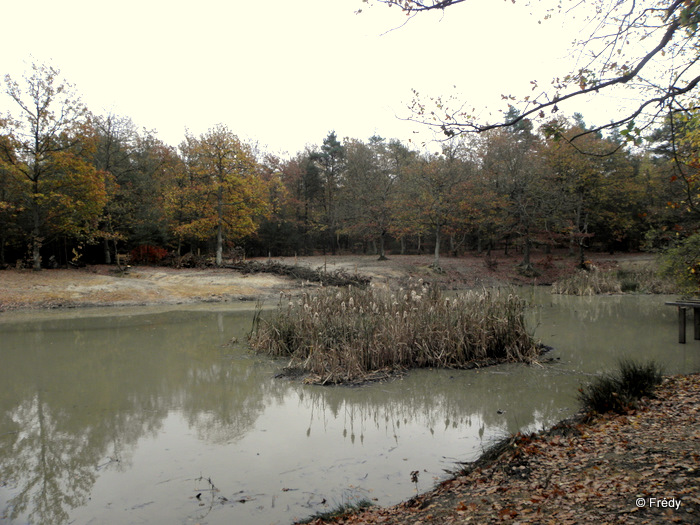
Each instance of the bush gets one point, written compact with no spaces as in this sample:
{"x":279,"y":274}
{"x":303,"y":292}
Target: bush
{"x":682,"y":264}
{"x":620,"y":391}
{"x":350,"y":334}
{"x":639,"y":379}
{"x":147,"y":254}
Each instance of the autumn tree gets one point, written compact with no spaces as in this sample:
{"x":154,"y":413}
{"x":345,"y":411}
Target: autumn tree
{"x":228,"y":191}
{"x":10,"y":200}
{"x":675,"y":154}
{"x":48,"y":146}
{"x":278,"y":232}
{"x":434,"y":190}
{"x":132,"y":163}
{"x":596,"y":188}
{"x":512,"y":166}
{"x":373,"y":171}
{"x":398,"y":158}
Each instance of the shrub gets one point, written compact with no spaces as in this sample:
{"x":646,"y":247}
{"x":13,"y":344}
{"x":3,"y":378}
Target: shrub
{"x":639,"y":379}
{"x":147,"y":254}
{"x":619,"y":392}
{"x":350,"y":334}
{"x":682,"y":264}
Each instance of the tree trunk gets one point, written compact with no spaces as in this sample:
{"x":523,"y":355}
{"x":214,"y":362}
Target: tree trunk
{"x":219,"y":245}
{"x":382,"y":254}
{"x":108,"y":255}
{"x":526,"y":253}
{"x":403,"y":245}
{"x":220,"y":227}
{"x":36,"y":240}
{"x":436,"y":263}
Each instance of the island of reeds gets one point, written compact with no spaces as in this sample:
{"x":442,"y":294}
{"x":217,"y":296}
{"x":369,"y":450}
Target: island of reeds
{"x":352,"y":335}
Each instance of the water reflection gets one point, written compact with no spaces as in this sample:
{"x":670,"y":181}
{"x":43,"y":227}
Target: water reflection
{"x":78,"y":395}
{"x":592,"y":333}
{"x":126,"y":417}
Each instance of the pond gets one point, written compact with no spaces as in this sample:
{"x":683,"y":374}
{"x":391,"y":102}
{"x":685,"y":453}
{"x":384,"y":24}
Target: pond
{"x":146,"y":415}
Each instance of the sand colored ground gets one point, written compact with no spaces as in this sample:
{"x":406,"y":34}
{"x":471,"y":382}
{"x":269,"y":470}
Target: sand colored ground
{"x":102,"y":285}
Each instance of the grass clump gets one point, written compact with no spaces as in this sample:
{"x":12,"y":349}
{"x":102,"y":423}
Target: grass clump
{"x":619,"y":392}
{"x":340,"y":511}
{"x":645,"y":279}
{"x":350,"y":334}
{"x":588,"y":282}
{"x":629,"y":280}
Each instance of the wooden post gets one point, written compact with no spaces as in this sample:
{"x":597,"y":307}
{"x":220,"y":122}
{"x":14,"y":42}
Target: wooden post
{"x":696,"y":322}
{"x":681,"y":324}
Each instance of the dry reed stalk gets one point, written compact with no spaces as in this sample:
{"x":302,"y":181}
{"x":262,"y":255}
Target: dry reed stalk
{"x":343,"y":335}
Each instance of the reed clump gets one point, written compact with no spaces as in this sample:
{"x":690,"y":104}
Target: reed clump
{"x":596,"y":281}
{"x":346,"y":335}
{"x":588,"y":282}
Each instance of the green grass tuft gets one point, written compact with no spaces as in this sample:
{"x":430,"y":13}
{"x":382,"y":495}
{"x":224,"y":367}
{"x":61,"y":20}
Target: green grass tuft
{"x":340,"y":511}
{"x":619,"y":392}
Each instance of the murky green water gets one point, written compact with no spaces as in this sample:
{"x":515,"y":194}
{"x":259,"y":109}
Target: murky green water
{"x":126,"y":415}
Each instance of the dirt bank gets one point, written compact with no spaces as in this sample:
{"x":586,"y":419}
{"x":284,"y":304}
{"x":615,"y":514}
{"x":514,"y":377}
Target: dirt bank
{"x":103,"y":286}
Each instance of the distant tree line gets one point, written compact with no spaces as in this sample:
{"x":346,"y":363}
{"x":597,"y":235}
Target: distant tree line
{"x":77,"y":187}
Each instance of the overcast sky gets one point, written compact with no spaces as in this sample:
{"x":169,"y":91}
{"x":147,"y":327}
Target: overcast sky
{"x":281,"y":72}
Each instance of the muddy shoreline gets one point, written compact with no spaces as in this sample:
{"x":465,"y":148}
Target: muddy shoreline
{"x":612,"y":469}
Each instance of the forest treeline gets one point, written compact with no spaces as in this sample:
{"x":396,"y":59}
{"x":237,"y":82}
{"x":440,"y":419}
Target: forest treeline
{"x":77,"y":187}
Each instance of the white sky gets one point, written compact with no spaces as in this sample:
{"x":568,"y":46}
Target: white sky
{"x":281,"y":72}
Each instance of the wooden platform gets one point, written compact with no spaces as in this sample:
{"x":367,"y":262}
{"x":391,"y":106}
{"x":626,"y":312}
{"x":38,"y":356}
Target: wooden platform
{"x":682,"y":307}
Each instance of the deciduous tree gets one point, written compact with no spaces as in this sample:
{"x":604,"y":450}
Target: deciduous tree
{"x":229,"y":191}
{"x":48,"y":151}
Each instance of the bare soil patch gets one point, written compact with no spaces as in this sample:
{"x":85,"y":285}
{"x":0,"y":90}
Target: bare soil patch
{"x":101,"y":285}
{"x":468,"y":271}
